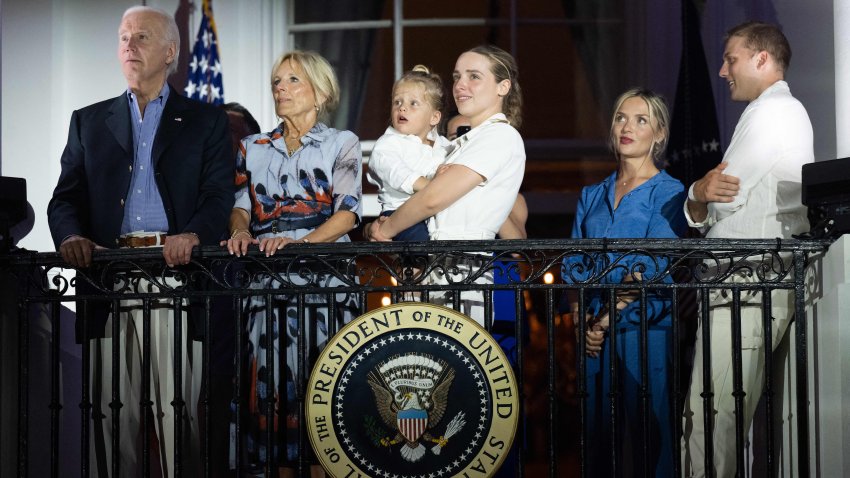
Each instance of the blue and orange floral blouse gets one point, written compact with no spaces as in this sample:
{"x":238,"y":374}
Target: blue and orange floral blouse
{"x":292,"y":195}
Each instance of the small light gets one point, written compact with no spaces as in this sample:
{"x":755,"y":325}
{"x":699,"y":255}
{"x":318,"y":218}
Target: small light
{"x":548,"y":278}
{"x":393,"y":281}
{"x":385,"y":300}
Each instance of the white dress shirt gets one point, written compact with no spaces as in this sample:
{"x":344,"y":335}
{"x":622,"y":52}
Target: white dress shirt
{"x":398,"y":160}
{"x":495,"y":150}
{"x":771,"y":143}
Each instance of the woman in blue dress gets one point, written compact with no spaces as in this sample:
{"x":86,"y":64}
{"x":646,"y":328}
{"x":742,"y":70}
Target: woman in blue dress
{"x":638,"y":200}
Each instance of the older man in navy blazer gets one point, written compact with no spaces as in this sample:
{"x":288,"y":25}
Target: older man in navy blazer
{"x":148,"y":168}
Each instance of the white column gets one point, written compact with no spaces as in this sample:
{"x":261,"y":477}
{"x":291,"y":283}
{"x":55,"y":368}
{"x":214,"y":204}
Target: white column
{"x":829,"y":359}
{"x":842,"y":77}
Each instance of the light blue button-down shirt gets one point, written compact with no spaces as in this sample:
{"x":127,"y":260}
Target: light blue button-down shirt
{"x":143,"y":210}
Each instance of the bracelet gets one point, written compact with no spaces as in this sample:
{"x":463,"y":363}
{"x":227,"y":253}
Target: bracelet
{"x":236,"y":232}
{"x":192,"y":233}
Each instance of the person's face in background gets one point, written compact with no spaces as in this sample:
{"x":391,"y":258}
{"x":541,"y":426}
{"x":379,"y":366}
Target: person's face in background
{"x":411,"y":111}
{"x":453,"y":124}
{"x":238,"y":129}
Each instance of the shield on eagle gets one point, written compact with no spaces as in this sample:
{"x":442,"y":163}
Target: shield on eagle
{"x":412,"y":423}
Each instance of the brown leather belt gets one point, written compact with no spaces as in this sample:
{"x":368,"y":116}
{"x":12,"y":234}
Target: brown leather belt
{"x":141,"y":241}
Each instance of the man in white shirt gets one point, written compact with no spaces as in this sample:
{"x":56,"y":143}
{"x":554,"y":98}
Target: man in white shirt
{"x":753,"y":193}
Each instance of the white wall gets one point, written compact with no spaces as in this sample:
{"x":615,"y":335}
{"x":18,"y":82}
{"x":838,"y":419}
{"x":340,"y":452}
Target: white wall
{"x":842,"y":76}
{"x":40,"y":87}
{"x":828,"y":286}
{"x":59,"y":56}
{"x":809,"y":27}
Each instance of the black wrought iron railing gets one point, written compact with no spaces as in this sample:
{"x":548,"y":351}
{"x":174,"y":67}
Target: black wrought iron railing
{"x":523,"y":290}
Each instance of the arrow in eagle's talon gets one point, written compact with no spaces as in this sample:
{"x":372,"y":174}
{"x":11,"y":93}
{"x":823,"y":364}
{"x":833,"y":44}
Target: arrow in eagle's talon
{"x":442,"y":441}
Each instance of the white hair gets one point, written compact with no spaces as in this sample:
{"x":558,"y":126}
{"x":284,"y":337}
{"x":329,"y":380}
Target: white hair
{"x":169,"y":28}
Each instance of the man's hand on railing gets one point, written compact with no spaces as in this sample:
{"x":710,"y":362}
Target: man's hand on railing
{"x":177,"y":249}
{"x":76,"y":251}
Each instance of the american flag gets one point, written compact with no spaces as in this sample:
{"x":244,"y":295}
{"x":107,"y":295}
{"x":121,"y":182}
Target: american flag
{"x":204,"y":82}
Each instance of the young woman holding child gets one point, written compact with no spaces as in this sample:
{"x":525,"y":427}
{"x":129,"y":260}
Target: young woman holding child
{"x":471,"y":197}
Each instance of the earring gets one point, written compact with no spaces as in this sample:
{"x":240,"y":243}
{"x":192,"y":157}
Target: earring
{"x":317,"y":108}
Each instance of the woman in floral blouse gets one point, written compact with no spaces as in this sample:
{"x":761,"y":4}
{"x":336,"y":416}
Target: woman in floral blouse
{"x":300,"y":183}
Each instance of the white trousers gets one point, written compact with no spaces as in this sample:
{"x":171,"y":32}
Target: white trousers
{"x":453,"y":270}
{"x":722,"y":375}
{"x":162,"y":392}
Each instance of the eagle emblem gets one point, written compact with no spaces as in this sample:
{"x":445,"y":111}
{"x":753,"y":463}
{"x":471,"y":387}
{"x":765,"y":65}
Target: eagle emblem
{"x":410,"y":393}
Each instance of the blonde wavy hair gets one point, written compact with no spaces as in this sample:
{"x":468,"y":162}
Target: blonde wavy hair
{"x":320,"y":74}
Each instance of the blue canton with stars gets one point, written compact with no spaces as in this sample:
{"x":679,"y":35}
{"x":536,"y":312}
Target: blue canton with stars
{"x":204,"y":82}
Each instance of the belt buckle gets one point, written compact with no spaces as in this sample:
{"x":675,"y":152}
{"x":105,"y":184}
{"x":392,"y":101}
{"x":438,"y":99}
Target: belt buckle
{"x":140,"y":240}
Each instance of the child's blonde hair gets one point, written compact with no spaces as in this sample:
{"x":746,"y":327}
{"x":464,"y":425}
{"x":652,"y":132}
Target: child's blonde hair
{"x":430,"y":81}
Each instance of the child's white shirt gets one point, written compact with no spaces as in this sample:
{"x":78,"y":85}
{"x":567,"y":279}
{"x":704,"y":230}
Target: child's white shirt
{"x":398,"y":160}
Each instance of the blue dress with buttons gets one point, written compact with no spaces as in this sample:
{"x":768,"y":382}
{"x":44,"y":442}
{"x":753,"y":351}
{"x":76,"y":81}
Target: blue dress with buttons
{"x":654,"y":209}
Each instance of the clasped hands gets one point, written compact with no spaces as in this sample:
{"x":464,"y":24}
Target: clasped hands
{"x":597,"y":327}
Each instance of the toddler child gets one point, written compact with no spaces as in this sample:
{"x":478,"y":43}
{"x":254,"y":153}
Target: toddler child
{"x":409,"y":152}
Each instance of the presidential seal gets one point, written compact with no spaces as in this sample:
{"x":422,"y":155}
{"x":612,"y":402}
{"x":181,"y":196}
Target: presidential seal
{"x":412,"y":390}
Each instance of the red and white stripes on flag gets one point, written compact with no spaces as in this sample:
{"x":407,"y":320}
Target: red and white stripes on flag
{"x":412,"y":425}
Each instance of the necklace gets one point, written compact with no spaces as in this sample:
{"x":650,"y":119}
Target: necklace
{"x":626,"y":181}
{"x":286,"y":140}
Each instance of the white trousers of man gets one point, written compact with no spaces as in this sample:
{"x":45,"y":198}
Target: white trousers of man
{"x":722,"y":376}
{"x":162,"y":391}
